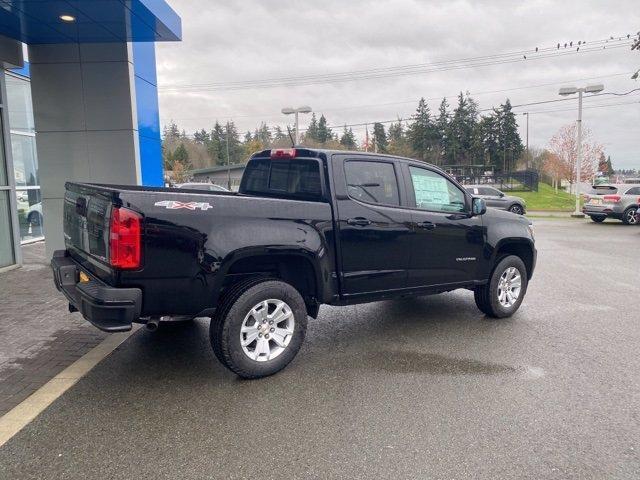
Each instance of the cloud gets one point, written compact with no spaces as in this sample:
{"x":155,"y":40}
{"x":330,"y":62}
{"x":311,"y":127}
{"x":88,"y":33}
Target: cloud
{"x":252,"y":40}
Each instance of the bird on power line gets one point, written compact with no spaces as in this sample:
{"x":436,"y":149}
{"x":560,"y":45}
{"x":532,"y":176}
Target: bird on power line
{"x":571,"y":44}
{"x":536,"y":49}
{"x":565,"y":44}
{"x":558,"y":46}
{"x":578,"y":49}
{"x":525,"y":57}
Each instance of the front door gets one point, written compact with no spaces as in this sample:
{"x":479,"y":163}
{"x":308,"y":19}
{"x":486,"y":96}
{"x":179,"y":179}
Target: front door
{"x":374,"y":229}
{"x":448,"y":245}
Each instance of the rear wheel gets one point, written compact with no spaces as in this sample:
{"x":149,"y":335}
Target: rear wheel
{"x":259,"y":327}
{"x":630,"y":217}
{"x":517,"y":209}
{"x":597,"y":219}
{"x":502,"y":295}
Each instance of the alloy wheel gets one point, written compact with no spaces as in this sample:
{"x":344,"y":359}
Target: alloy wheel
{"x":267,"y":330}
{"x":509,"y":287}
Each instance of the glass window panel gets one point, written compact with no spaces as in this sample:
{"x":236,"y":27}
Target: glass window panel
{"x":6,"y":239}
{"x":25,"y":160}
{"x":19,"y":104}
{"x":372,"y":182}
{"x":29,"y":214}
{"x":435,"y":192}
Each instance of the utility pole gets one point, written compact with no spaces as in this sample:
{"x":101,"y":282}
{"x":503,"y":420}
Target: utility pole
{"x":570,"y":91}
{"x":228,"y":160}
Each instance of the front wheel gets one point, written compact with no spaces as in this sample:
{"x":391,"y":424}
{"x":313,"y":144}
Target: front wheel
{"x":502,"y":295}
{"x":630,"y":216}
{"x":259,"y":327}
{"x":517,"y":209}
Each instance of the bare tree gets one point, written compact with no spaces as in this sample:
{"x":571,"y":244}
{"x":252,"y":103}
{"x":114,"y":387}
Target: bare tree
{"x":564,"y":146}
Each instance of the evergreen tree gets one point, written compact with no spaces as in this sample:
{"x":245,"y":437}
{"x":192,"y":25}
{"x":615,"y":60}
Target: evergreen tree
{"x":380,"y":138}
{"x":201,"y":137}
{"x":324,"y":132}
{"x":216,"y":149}
{"x":280,"y":134}
{"x":348,"y":139}
{"x":463,"y":128}
{"x":610,"y":170}
{"x":248,"y":137}
{"x":442,"y":129}
{"x":312,"y":129}
{"x":510,"y":140}
{"x":171,"y":132}
{"x":181,"y":156}
{"x":422,"y":133}
{"x":263,"y":134}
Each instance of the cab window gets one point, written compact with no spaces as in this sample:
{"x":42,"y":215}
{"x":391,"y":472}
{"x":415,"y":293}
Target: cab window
{"x":372,"y":182}
{"x":435,"y":192}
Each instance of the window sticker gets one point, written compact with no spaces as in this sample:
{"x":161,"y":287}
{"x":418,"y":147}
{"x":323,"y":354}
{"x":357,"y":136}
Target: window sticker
{"x":430,"y":190}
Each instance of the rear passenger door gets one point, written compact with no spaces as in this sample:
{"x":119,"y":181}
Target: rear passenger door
{"x":374,"y":228}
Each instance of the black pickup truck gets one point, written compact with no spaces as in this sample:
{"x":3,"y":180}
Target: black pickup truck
{"x":307,"y":227}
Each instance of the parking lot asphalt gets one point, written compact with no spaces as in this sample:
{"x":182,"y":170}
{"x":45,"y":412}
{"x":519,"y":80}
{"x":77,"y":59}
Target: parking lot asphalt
{"x":413,"y":388}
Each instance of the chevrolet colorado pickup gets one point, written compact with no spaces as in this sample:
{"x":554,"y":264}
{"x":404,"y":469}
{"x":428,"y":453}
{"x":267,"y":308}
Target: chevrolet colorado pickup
{"x":307,"y":227}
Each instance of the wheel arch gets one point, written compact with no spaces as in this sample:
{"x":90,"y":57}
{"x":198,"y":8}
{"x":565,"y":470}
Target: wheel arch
{"x":299,"y":268}
{"x":520,"y":247}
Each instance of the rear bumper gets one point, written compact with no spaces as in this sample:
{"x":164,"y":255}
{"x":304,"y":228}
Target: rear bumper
{"x":603,"y":211}
{"x":107,"y":308}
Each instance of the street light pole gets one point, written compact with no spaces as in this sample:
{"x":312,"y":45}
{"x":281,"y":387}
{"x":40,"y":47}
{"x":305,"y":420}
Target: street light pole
{"x":228,"y":161}
{"x":296,"y":112}
{"x":580,"y":91}
{"x":578,"y":213}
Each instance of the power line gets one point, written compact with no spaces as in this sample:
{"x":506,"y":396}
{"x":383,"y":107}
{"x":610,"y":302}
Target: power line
{"x":541,"y":102}
{"x":353,"y":107}
{"x":387,"y":72}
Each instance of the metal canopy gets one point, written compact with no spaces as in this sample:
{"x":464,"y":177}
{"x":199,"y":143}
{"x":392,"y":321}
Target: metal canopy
{"x":94,"y":21}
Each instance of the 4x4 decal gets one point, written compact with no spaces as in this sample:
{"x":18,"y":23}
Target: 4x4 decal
{"x":175,"y":205}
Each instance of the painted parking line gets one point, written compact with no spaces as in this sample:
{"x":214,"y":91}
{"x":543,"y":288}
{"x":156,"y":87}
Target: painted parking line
{"x":24,"y":413}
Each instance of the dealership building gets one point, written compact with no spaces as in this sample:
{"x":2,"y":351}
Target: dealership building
{"x":78,"y":101}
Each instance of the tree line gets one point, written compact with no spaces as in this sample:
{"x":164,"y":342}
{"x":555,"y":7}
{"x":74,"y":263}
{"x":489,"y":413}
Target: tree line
{"x":460,"y":136}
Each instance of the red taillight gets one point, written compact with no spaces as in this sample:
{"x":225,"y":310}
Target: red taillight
{"x":125,"y":239}
{"x":612,"y":198}
{"x":283,"y":154}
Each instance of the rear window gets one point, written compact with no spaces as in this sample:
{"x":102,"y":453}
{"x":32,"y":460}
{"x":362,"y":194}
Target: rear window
{"x":298,"y":178}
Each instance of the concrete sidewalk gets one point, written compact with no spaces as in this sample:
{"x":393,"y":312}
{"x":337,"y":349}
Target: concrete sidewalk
{"x":38,"y":337}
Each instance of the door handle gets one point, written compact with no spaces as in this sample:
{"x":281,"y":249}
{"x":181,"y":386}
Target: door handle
{"x":426,"y":225}
{"x":359,"y":221}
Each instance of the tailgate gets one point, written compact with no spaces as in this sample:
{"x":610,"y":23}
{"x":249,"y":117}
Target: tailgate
{"x":86,"y":221}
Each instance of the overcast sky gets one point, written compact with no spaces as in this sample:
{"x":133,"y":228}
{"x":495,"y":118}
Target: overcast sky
{"x":226,"y":41}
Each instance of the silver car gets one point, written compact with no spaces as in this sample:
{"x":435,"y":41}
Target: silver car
{"x":613,"y":201}
{"x":497,"y":199}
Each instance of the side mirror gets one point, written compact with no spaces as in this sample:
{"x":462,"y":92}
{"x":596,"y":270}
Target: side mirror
{"x":478,"y":206}
{"x":501,"y":194}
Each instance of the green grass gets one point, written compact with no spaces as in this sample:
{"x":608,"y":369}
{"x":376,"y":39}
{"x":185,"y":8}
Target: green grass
{"x":547,"y":199}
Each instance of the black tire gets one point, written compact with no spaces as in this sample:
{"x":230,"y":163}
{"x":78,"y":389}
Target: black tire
{"x":597,"y":219}
{"x":630,"y":217}
{"x":486,"y":296}
{"x":516,"y":208}
{"x":224,"y":331}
